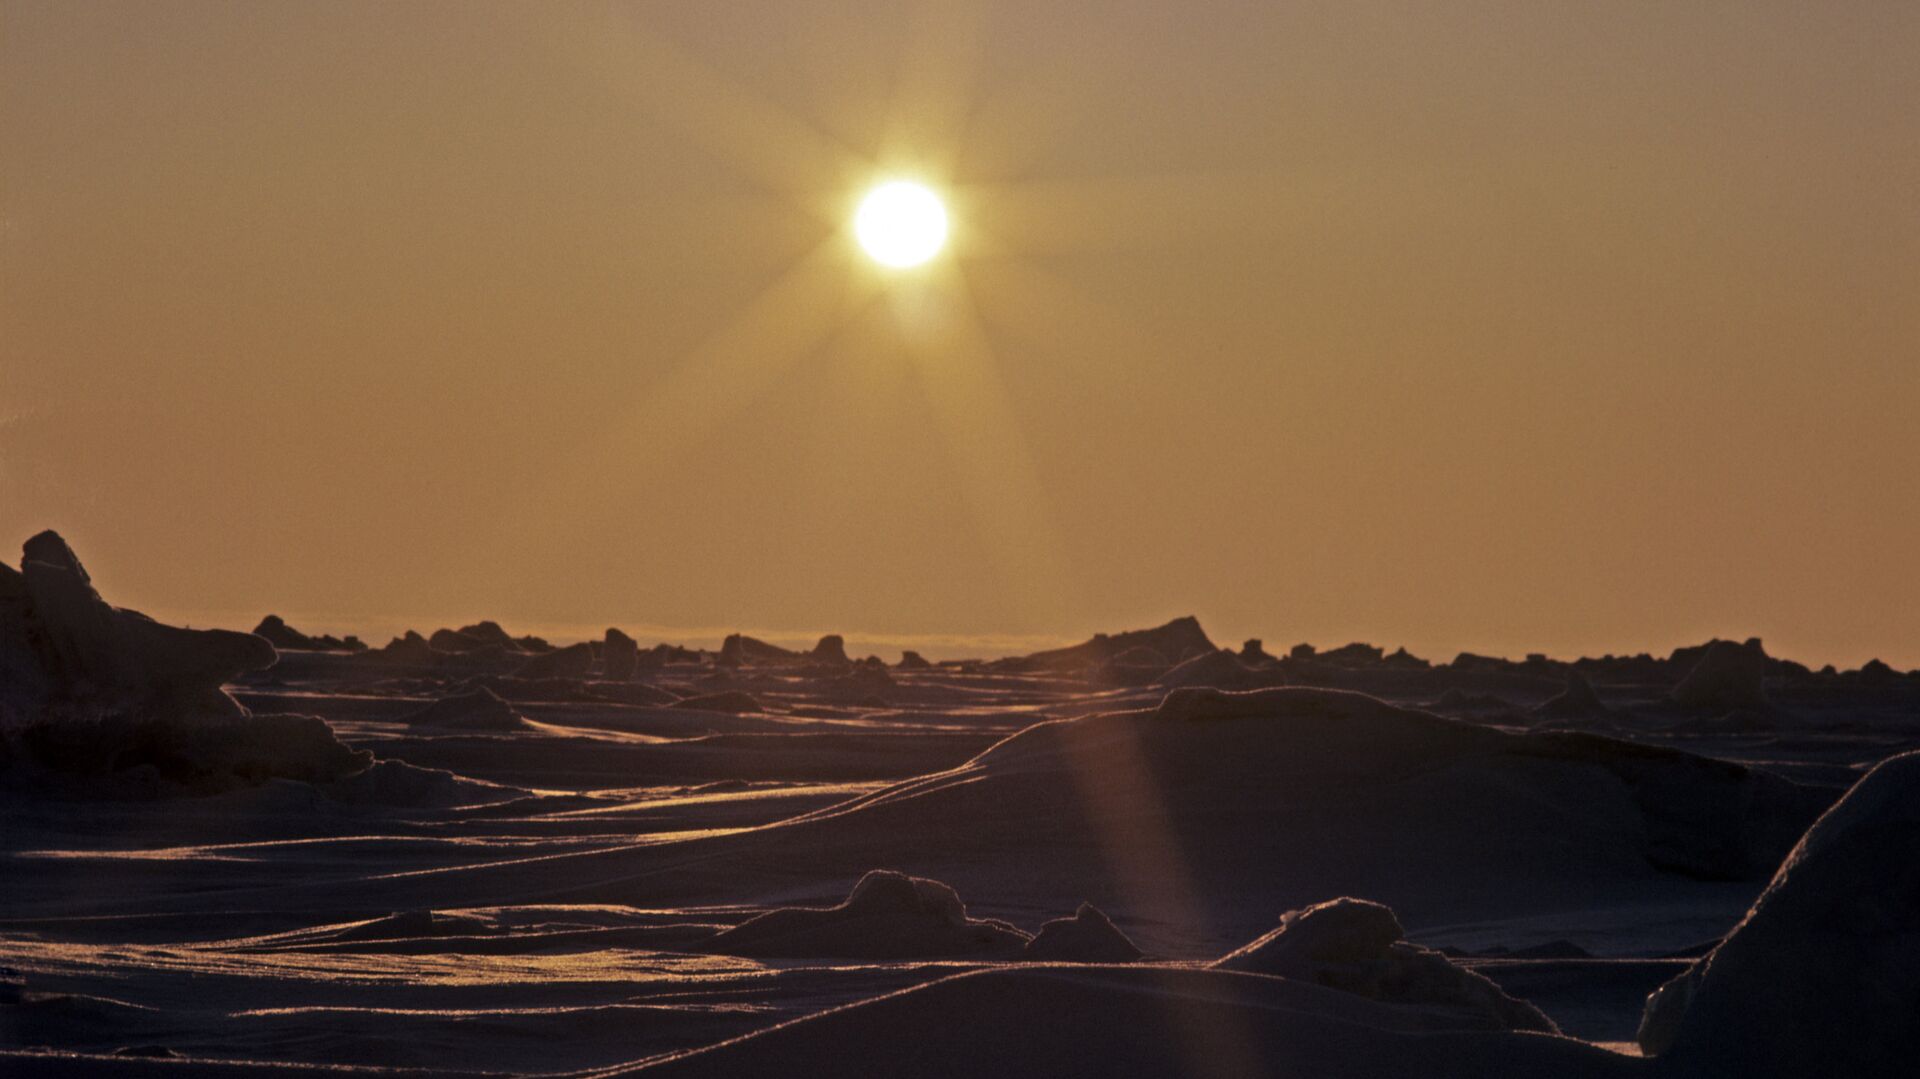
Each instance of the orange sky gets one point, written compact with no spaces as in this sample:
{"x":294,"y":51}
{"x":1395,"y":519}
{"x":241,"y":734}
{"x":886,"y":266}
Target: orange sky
{"x":1501,"y":327}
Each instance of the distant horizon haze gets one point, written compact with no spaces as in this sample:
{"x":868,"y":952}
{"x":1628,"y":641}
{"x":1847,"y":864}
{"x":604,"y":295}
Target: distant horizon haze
{"x":376,"y":630}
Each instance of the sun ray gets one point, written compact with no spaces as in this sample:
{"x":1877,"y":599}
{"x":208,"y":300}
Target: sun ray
{"x":934,"y":90}
{"x":794,"y":316}
{"x":790,"y":319}
{"x":1038,"y":308}
{"x":1139,"y":213}
{"x":941,"y":312}
{"x":959,"y":371}
{"x":777,"y":149}
{"x":1142,"y":850}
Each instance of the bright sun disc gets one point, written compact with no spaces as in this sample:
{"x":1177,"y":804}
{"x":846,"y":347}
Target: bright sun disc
{"x":901,"y":224}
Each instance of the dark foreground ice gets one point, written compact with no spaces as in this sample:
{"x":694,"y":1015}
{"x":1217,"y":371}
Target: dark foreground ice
{"x":474,"y":852}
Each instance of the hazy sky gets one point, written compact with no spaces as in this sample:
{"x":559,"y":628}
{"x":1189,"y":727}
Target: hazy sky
{"x":1490,"y":326}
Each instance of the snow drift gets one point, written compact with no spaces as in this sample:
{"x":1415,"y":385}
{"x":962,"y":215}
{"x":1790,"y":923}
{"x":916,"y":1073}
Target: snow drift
{"x":1358,"y":947}
{"x":1206,"y":813}
{"x":1194,"y":821}
{"x":1087,"y":937}
{"x":480,"y":709}
{"x":1823,"y":974}
{"x":1134,"y":1020}
{"x":888,"y":915}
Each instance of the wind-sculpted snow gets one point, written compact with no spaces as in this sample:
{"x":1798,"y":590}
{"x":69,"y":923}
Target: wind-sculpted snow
{"x":1137,"y":1021}
{"x":1087,"y":937}
{"x":1358,"y":947}
{"x":480,"y":709}
{"x":1822,"y":977}
{"x":887,"y":916}
{"x":662,"y":859}
{"x":1216,"y":805}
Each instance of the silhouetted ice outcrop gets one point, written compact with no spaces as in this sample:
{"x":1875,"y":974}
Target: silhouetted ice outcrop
{"x":1577,"y":701}
{"x":69,"y":654}
{"x":888,"y":915}
{"x":1405,"y":660}
{"x":410,"y":648}
{"x":484,"y":635}
{"x":1876,"y":672}
{"x":913,"y":661}
{"x":488,"y":632}
{"x":1360,"y":666}
{"x":1727,"y":675}
{"x":285,"y":637}
{"x":1087,"y":937}
{"x":90,"y":689}
{"x":573,"y":661}
{"x":453,"y":640}
{"x":831,"y":649}
{"x":1221,"y":669}
{"x":1175,"y":641}
{"x":740,"y":650}
{"x":1822,"y":977}
{"x":1358,"y":947}
{"x":480,"y":709}
{"x":667,"y":655}
{"x":619,"y":656}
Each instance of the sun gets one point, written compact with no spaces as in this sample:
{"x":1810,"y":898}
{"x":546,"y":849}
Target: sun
{"x":901,"y":223}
